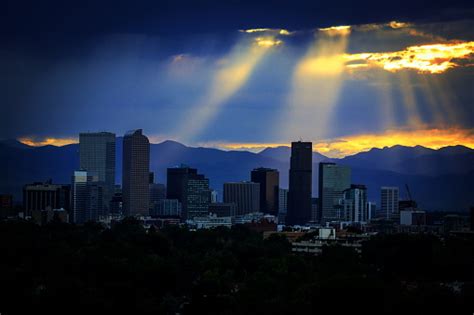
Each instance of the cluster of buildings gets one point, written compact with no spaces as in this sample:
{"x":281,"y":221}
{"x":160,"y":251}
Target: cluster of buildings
{"x":187,"y":197}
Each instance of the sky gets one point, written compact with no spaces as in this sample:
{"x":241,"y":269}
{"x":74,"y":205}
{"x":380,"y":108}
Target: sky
{"x":240,"y":74}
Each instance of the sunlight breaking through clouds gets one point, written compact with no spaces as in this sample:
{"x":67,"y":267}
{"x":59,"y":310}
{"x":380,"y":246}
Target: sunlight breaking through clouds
{"x":434,"y":58}
{"x":231,"y":75}
{"x":274,"y":31}
{"x":316,"y":83}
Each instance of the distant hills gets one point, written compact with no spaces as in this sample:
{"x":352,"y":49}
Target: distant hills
{"x":439,"y":179}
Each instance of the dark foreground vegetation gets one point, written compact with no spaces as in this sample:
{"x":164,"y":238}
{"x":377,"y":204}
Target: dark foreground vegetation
{"x":61,"y":268}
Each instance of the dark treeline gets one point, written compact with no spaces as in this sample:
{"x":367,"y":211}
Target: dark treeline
{"x":62,"y":268}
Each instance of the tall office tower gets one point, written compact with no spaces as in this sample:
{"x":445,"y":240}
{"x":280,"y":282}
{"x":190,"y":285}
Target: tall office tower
{"x":39,"y":196}
{"x":299,"y":193}
{"x":157,"y":193}
{"x":389,"y":202}
{"x":135,"y":174}
{"x":214,"y":196}
{"x":198,"y":196}
{"x":371,"y":210}
{"x":314,"y":209}
{"x":189,"y":188}
{"x":87,"y":197}
{"x":282,"y":205}
{"x":246,"y":195}
{"x":333,"y":180}
{"x":269,"y":180}
{"x":97,"y":155}
{"x":355,"y":204}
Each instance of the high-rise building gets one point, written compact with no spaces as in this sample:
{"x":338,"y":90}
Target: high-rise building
{"x":214,"y":196}
{"x":299,"y":193}
{"x":246,"y":195}
{"x":355,"y":204}
{"x":136,"y":172}
{"x":198,"y":196}
{"x":333,"y":180}
{"x":269,"y":180}
{"x":389,"y":202}
{"x":190,"y":188}
{"x":87,"y":197}
{"x":40,"y":196}
{"x":371,"y":210}
{"x":314,"y":209}
{"x":97,"y":155}
{"x":157,"y":193}
{"x":282,"y":205}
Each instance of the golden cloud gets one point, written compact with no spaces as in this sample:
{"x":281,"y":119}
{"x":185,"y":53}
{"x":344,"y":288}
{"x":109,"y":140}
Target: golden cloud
{"x":349,"y":145}
{"x":434,"y":58}
{"x":58,"y":142}
{"x":395,"y":24}
{"x":267,"y":41}
{"x":275,"y":31}
{"x":342,"y":30}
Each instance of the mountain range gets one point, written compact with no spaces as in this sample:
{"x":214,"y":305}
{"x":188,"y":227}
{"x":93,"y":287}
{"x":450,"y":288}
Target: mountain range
{"x":440,"y":179}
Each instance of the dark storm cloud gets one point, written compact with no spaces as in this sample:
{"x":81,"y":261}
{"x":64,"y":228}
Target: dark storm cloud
{"x":49,"y":23}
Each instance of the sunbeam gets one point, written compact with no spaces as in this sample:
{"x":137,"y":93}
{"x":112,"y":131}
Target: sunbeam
{"x":228,"y":79}
{"x":316,"y":83}
{"x":412,"y":114}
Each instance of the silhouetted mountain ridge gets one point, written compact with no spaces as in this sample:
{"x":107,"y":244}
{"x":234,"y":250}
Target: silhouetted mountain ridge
{"x":440,"y":179}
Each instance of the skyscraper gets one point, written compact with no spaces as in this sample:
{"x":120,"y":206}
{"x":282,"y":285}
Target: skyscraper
{"x":135,"y":175}
{"x":371,"y":210}
{"x":157,"y":193}
{"x":190,"y":188}
{"x":355,"y":204}
{"x":246,"y":195}
{"x":299,"y":193}
{"x":87,"y":197}
{"x":198,"y":196}
{"x":282,"y":205}
{"x":333,"y":180}
{"x":389,"y":202}
{"x":97,"y":155}
{"x":269,"y":181}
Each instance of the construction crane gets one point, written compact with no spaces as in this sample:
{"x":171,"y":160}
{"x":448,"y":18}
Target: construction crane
{"x":409,"y":204}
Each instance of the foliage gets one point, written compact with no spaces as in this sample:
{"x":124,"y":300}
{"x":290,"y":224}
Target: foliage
{"x":62,"y":268}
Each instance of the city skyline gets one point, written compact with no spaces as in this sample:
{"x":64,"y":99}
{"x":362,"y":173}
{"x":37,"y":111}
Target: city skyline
{"x":236,"y":157}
